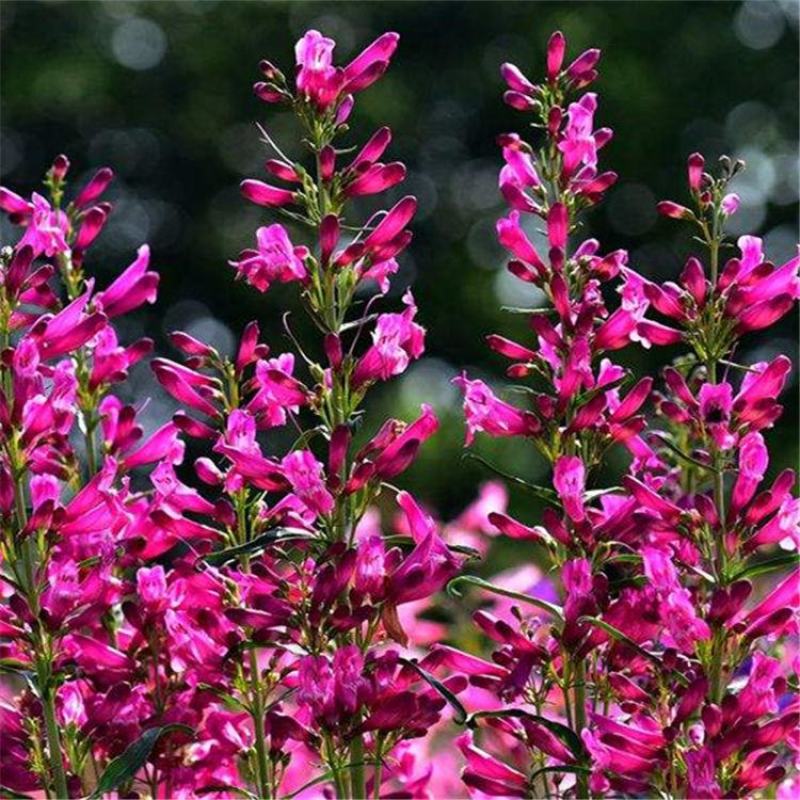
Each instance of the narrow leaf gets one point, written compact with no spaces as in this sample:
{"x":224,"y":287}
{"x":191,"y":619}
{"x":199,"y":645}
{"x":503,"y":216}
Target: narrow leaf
{"x":474,"y":580}
{"x":125,"y":766}
{"x":521,"y":310}
{"x":570,"y":739}
{"x":573,"y":768}
{"x":220,"y":557}
{"x":461,"y":712}
{"x":617,"y":634}
{"x":543,"y":493}
{"x":769,"y":565}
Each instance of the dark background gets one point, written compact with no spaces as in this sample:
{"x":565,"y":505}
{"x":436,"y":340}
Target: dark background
{"x":162,"y":93}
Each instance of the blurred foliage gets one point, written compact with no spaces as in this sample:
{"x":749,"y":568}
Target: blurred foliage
{"x":161,"y":92}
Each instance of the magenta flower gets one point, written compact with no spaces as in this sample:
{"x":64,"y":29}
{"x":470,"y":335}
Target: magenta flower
{"x":323,"y":84}
{"x":305,"y":475}
{"x":489,"y":775}
{"x":317,"y":78}
{"x":262,"y":194}
{"x":275,"y":259}
{"x":47,"y":229}
{"x":397,"y":339}
{"x":578,"y":144}
{"x":569,"y":477}
{"x":429,"y":565}
{"x":485,"y":413}
{"x":134,"y":287}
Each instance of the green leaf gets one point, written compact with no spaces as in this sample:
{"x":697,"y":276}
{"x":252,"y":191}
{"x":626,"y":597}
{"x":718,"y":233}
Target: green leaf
{"x":573,"y":768}
{"x":769,"y":565}
{"x":543,"y":493}
{"x":617,"y":634}
{"x":125,"y":766}
{"x":521,"y":310}
{"x":624,"y":558}
{"x":305,"y":437}
{"x":259,"y":543}
{"x":461,"y":712}
{"x":665,"y":440}
{"x":595,"y":493}
{"x":12,"y":665}
{"x":225,"y":789}
{"x":407,"y":541}
{"x":565,"y":734}
{"x":228,"y":699}
{"x":474,"y":580}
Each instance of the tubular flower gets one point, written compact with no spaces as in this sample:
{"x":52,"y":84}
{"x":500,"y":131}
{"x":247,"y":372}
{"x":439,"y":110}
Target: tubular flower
{"x":655,"y":575}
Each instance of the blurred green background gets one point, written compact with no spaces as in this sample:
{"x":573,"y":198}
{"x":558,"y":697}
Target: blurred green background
{"x":162,"y":93}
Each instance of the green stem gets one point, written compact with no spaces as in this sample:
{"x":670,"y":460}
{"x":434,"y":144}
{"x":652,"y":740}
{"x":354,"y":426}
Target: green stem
{"x":51,"y":729}
{"x":43,"y":659}
{"x":262,"y":764}
{"x":376,"y":775}
{"x":582,"y":784}
{"x":358,"y":779}
{"x":339,"y":782}
{"x":91,"y":458}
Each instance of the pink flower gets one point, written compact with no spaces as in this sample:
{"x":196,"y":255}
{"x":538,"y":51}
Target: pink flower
{"x":676,"y":610}
{"x":578,"y":145}
{"x":151,"y":586}
{"x":317,"y":78}
{"x":569,"y":477}
{"x":701,"y":774}
{"x":674,"y":210}
{"x":487,"y":774}
{"x":47,"y":229}
{"x":428,"y":566}
{"x":370,"y":570}
{"x":333,"y":689}
{"x":556,"y":48}
{"x":275,"y":259}
{"x":370,"y":63}
{"x":753,"y":461}
{"x":305,"y":474}
{"x":396,"y":340}
{"x":380,"y":272}
{"x":695,"y":165}
{"x":716,"y":403}
{"x":730,"y":204}
{"x":324,"y":84}
{"x":131,"y":289}
{"x":277,"y":391}
{"x":758,"y":696}
{"x":96,"y":186}
{"x":73,"y":707}
{"x":486,"y":413}
{"x":516,"y":177}
{"x":262,"y":194}
{"x":513,"y":238}
{"x":679,"y":615}
{"x":659,"y":569}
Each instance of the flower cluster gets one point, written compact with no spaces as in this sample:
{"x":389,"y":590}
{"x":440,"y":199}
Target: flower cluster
{"x":255,"y":620}
{"x":655,"y":675}
{"x":234,"y":633}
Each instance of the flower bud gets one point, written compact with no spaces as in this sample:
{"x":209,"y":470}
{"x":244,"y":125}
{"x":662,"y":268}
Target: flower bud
{"x":673,"y":210}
